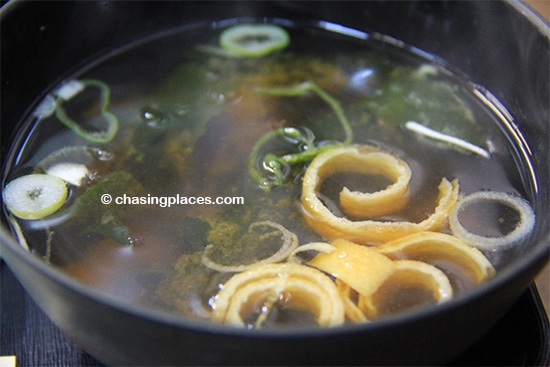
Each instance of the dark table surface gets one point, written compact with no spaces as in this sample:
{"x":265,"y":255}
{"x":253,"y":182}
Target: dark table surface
{"x":521,"y":338}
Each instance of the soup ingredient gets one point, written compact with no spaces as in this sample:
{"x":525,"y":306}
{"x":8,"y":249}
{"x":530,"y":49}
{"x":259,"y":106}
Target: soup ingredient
{"x":254,"y":40}
{"x":35,"y":196}
{"x":290,"y":243}
{"x":465,"y":266}
{"x":73,"y":173}
{"x":69,"y":91}
{"x":306,"y":87}
{"x":303,"y":140}
{"x":327,"y":224}
{"x":427,"y":98}
{"x":374,"y":162}
{"x":312,"y":246}
{"x":459,"y":143}
{"x":95,"y":215}
{"x":73,"y":163}
{"x":412,"y":284}
{"x":522,"y":229}
{"x":361,"y":267}
{"x":373,"y":284}
{"x":295,"y":286}
{"x":185,"y":290}
{"x":350,"y":297}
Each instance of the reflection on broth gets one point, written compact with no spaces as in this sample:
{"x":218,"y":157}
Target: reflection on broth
{"x":370,"y":182}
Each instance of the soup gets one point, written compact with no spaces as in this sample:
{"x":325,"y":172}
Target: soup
{"x":271,"y":175}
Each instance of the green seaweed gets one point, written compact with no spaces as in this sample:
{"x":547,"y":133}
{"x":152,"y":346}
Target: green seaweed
{"x":437,"y":104}
{"x":187,"y":284}
{"x":194,"y":232}
{"x":191,"y":96}
{"x":106,"y":219}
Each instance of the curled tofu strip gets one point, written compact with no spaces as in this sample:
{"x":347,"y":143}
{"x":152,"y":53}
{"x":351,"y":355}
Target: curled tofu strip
{"x":361,"y":267}
{"x":368,"y":160}
{"x":353,"y":312}
{"x":410,"y":277}
{"x":295,"y":285}
{"x":353,"y":158}
{"x":460,"y":262}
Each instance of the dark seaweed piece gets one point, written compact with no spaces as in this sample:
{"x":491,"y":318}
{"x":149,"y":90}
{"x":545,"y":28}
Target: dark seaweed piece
{"x":437,"y":104}
{"x":184,"y":291}
{"x":97,"y":216}
{"x":194,"y":232}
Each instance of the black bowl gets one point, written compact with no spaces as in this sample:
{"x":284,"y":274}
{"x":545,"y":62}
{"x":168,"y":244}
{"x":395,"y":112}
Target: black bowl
{"x":502,"y":46}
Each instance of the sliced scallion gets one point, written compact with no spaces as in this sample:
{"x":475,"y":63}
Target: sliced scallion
{"x":71,"y":89}
{"x":35,"y":196}
{"x":254,"y":40}
{"x":277,"y":166}
{"x":451,"y":140}
{"x":522,"y":228}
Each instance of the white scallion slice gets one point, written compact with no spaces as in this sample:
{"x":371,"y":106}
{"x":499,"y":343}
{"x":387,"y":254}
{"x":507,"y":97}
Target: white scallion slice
{"x":290,"y":243}
{"x":523,"y":227}
{"x":254,"y":40}
{"x":451,"y":140}
{"x":35,"y":196}
{"x":69,"y":89}
{"x":73,"y":173}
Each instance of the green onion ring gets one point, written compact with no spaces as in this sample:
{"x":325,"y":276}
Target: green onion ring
{"x":523,"y":228}
{"x":254,"y":40}
{"x":96,"y":137}
{"x":295,"y":158}
{"x":34,"y":196}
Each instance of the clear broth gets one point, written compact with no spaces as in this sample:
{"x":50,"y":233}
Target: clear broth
{"x":188,"y":121}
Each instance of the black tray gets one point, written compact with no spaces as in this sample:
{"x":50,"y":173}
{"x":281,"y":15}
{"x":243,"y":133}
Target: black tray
{"x":521,"y":338}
